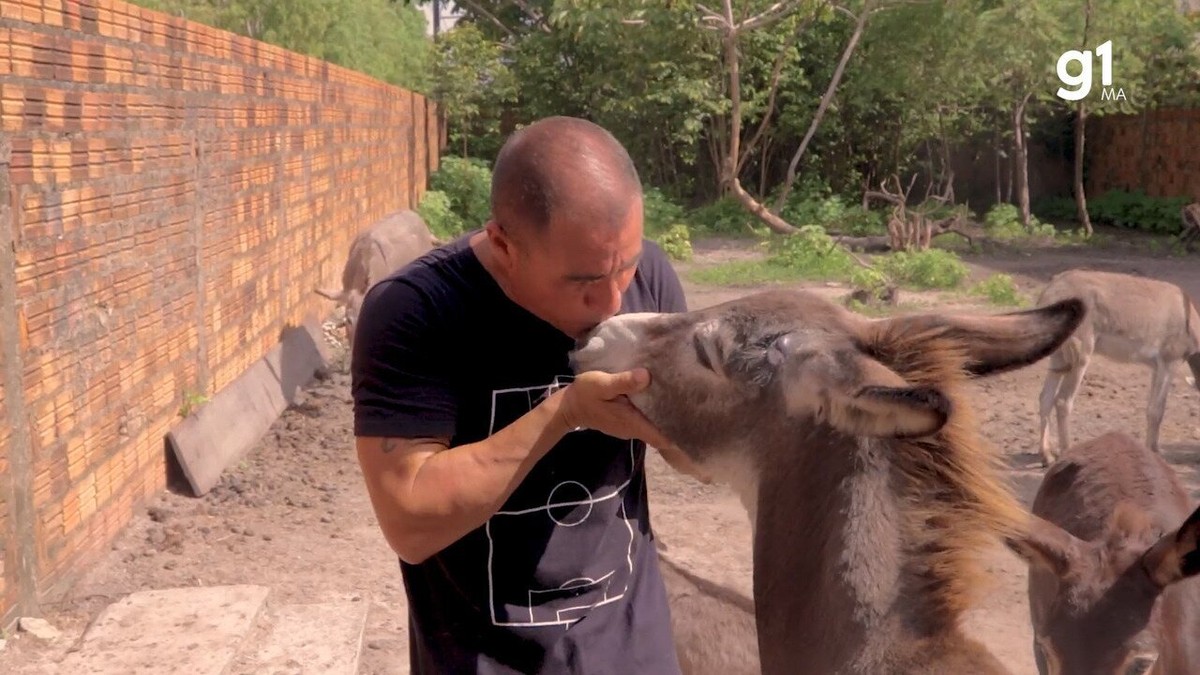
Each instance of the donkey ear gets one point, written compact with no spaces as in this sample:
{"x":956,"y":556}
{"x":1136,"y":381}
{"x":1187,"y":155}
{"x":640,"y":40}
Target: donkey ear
{"x":859,"y":396}
{"x":997,"y":343}
{"x":1176,"y":555}
{"x":1046,"y":545}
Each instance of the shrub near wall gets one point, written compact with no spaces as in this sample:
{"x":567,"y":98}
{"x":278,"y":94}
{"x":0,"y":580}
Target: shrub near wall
{"x":169,"y":196}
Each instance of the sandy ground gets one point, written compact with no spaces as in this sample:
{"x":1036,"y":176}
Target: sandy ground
{"x":293,"y":514}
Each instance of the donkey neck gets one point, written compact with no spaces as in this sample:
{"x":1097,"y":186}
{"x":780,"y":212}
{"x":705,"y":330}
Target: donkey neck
{"x":834,"y":583}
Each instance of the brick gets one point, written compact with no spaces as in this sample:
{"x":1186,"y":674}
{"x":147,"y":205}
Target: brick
{"x":119,"y":172}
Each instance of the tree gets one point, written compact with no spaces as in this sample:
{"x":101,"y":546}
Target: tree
{"x":1017,"y":39}
{"x":472,"y":82}
{"x":1147,"y":51}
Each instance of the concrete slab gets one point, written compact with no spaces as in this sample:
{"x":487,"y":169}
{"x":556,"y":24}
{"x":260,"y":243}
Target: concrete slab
{"x":323,"y":638}
{"x":196,"y":631}
{"x":220,"y":432}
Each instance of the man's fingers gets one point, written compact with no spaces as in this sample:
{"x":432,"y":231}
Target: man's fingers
{"x":627,"y":382}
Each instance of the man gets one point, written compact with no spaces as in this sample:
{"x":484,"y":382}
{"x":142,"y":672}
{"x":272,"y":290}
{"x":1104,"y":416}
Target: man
{"x":514,"y":496}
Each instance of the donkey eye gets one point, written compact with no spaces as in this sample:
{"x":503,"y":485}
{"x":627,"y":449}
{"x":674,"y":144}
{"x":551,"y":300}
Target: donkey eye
{"x":1140,"y":664}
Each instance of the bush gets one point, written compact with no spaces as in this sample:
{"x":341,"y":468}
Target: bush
{"x":1055,"y":208}
{"x":676,"y":242}
{"x":435,"y":209}
{"x":932,"y":268}
{"x":999,"y":289}
{"x":724,"y":216}
{"x":1138,"y":211}
{"x":812,"y":253}
{"x":1003,"y":221}
{"x":660,"y":213}
{"x":467,"y":184}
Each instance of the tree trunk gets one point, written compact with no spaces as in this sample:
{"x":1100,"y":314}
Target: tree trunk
{"x":859,"y":25}
{"x":1080,"y":197}
{"x":1080,"y":128}
{"x":730,"y":183}
{"x":1021,"y":158}
{"x":999,"y":178}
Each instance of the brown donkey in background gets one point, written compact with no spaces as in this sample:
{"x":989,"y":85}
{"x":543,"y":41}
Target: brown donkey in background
{"x":1110,"y":565}
{"x":852,"y":444}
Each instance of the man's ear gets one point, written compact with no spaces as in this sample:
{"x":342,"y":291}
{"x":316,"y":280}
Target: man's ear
{"x":1046,"y":545}
{"x":1176,"y":555}
{"x":501,"y":242}
{"x":859,"y":396}
{"x":995,"y":343}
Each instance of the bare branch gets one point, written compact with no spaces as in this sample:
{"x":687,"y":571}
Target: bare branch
{"x":710,"y":15}
{"x":826,"y":100}
{"x":533,"y":15}
{"x":475,"y":7}
{"x":776,"y":72}
{"x":774,"y":13}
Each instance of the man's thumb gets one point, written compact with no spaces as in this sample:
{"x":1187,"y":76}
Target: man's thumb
{"x":629,"y":381}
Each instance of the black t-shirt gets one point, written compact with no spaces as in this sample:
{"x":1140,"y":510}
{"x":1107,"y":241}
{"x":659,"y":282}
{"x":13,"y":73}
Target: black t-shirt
{"x":564,"y":578}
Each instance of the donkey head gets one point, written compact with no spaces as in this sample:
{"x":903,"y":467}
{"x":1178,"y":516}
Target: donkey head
{"x":1095,"y":604}
{"x":736,"y":376}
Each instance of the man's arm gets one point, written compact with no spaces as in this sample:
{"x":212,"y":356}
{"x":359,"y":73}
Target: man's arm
{"x":427,"y":495}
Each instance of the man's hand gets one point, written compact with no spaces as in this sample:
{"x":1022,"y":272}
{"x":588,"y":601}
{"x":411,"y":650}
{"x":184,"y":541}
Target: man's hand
{"x":599,"y":400}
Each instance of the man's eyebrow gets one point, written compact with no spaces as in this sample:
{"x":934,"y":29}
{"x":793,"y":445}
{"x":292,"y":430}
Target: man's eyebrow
{"x":596,"y":277}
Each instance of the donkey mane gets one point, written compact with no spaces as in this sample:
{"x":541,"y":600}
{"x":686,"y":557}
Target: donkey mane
{"x":952,"y":500}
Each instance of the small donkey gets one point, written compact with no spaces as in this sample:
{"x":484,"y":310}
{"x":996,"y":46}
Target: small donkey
{"x":1110,"y":550}
{"x":852,"y":445}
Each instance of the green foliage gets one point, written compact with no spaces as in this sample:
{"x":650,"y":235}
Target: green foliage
{"x":1003,"y":221}
{"x":676,"y":242}
{"x":999,"y":289}
{"x":192,"y":401}
{"x":474,"y":84}
{"x":381,"y":38}
{"x":812,"y":253}
{"x":660,"y":213}
{"x":1138,"y":210}
{"x":743,"y":273}
{"x":439,"y":215}
{"x":929,"y":269}
{"x":467,"y":183}
{"x":1055,"y":209}
{"x":725,"y":216}
{"x":870,"y":280}
{"x":1133,"y":210}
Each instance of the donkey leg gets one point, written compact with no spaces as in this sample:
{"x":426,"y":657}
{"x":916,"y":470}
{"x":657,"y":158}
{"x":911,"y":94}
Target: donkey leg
{"x":1066,"y":402}
{"x":1160,"y":385}
{"x":1054,"y":378}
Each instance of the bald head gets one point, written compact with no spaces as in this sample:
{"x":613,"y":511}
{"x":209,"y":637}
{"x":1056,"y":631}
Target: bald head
{"x":562,"y":168}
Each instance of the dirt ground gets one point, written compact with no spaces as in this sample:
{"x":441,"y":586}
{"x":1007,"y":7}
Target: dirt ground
{"x":293,"y":514}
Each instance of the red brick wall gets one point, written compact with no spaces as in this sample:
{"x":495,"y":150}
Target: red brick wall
{"x":1158,"y":152}
{"x":169,"y":196}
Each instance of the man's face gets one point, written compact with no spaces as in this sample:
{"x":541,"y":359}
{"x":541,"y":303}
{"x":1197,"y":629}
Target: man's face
{"x":573,"y":274}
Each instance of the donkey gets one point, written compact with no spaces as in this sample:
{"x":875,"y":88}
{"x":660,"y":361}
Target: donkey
{"x":852,"y":444}
{"x":713,"y":624}
{"x":375,"y":253}
{"x":1130,"y":319}
{"x":1113,"y":535}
